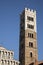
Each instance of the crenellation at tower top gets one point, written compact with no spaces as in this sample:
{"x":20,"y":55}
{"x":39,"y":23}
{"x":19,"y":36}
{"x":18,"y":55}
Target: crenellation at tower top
{"x":30,"y":10}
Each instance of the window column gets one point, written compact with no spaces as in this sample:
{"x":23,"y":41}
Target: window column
{"x":5,"y":55}
{"x":0,"y":54}
{"x":8,"y":55}
{"x":11,"y":55}
{"x":5,"y":62}
{"x":2,"y":62}
{"x":15,"y":62}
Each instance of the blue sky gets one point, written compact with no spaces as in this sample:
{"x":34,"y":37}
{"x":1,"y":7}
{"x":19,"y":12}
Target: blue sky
{"x":10,"y":23}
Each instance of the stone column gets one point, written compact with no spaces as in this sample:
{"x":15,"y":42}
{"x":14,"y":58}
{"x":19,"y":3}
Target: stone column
{"x":15,"y":62}
{"x":4,"y":62}
{"x":1,"y":54}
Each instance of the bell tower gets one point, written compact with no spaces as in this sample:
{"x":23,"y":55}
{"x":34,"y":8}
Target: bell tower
{"x":28,"y":53}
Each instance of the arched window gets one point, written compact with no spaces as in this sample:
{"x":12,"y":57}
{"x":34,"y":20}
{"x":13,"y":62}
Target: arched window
{"x":30,"y":44}
{"x":31,"y":54}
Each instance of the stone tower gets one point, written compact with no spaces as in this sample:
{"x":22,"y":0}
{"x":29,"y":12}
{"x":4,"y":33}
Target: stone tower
{"x":28,"y":53}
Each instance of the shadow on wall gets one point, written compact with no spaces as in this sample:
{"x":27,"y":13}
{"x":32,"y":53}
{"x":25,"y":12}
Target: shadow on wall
{"x":41,"y":64}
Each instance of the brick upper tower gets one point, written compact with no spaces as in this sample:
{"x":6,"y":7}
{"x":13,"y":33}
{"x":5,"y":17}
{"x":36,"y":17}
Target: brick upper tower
{"x":28,"y":54}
